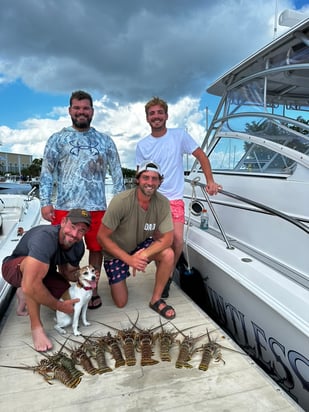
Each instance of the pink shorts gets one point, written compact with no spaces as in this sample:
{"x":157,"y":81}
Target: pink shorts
{"x":178,"y":210}
{"x":53,"y":281}
{"x":91,"y":236}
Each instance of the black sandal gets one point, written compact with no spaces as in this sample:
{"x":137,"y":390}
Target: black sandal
{"x":91,"y":303}
{"x":162,"y":312}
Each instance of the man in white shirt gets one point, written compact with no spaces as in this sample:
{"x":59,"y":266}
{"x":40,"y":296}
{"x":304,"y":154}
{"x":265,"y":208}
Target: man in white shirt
{"x":166,"y":147}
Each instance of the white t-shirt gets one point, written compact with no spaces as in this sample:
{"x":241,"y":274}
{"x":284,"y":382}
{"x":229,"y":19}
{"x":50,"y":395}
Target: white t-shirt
{"x":168,"y":151}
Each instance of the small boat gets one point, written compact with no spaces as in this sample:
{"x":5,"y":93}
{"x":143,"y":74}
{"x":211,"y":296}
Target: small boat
{"x":18,"y":213}
{"x":9,"y":186}
{"x":14,"y":184}
{"x":35,"y":182}
{"x":253,"y":259}
{"x":108,"y":180}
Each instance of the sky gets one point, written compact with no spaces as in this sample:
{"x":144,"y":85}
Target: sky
{"x":122,"y":52}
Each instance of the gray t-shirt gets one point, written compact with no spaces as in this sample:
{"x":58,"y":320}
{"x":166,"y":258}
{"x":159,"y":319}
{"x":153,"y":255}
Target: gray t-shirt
{"x":42,"y":243}
{"x":131,"y":224}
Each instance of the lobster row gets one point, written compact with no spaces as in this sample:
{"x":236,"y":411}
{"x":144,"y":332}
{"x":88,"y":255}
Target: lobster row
{"x":74,"y":359}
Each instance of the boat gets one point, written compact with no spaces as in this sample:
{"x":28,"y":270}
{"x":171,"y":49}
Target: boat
{"x":35,"y":182}
{"x":232,"y":383}
{"x":18,"y":213}
{"x":14,"y":184}
{"x":253,"y":259}
{"x":10,"y":186}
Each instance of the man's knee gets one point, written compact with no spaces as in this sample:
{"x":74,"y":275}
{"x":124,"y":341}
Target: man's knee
{"x":120,"y":302}
{"x":167,"y":254}
{"x":11,"y":271}
{"x":119,"y":294}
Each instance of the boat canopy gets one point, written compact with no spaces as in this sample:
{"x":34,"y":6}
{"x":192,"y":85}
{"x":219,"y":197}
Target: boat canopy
{"x":286,"y":82}
{"x":262,"y":122}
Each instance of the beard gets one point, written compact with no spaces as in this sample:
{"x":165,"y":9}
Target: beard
{"x":147,"y":191}
{"x":81,"y":124}
{"x":67,"y":242}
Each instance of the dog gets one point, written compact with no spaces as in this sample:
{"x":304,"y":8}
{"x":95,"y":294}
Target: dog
{"x":82,"y":290}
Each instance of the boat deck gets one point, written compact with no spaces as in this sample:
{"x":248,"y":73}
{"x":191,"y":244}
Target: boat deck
{"x":237,"y":385}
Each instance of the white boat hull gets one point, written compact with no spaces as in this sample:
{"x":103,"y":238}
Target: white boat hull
{"x":15,"y":211}
{"x":267,"y":315}
{"x":253,"y":259}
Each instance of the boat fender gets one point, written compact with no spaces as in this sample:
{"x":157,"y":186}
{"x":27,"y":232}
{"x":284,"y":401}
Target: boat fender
{"x":192,"y":283}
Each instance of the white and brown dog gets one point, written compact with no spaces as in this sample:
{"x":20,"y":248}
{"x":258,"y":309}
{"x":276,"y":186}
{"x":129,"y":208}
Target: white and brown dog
{"x":82,"y":290}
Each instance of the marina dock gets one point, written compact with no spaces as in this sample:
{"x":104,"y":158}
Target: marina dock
{"x":236,"y":385}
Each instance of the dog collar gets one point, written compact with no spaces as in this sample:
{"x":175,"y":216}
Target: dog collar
{"x":84,"y":287}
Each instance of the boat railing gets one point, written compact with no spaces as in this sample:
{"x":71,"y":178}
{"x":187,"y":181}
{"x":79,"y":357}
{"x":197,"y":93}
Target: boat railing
{"x":198,"y":208}
{"x":31,"y":193}
{"x":268,"y":209}
{"x":195,"y":182}
{"x":25,"y":206}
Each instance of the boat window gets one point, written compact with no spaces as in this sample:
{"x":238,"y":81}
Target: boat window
{"x":247,"y":95}
{"x":250,"y":97}
{"x":252,"y":129}
{"x":299,"y":53}
{"x":232,"y":154}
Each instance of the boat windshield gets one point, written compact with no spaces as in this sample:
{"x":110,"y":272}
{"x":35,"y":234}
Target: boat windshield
{"x":262,"y":122}
{"x":250,"y":129}
{"x":263,"y":125}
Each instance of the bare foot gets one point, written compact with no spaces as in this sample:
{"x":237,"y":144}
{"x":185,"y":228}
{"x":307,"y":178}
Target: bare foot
{"x":40,"y":340}
{"x":21,"y":303}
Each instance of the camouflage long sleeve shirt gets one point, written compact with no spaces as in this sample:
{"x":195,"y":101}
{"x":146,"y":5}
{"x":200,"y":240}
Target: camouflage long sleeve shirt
{"x":78,"y":163}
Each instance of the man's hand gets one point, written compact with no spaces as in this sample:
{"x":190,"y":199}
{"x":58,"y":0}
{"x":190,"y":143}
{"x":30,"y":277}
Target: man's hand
{"x":212,"y":188}
{"x":139,"y":261}
{"x":67,"y":306}
{"x":48,"y":212}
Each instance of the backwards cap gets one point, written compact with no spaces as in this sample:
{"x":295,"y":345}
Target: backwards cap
{"x":151,"y":166}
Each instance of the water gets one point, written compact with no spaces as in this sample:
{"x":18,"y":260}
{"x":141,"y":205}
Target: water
{"x":20,"y":189}
{"x":108,"y":193}
{"x":109,"y":190}
{"x":25,"y":189}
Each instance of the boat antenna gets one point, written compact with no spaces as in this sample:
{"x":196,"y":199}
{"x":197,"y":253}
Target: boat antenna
{"x":276,"y":19}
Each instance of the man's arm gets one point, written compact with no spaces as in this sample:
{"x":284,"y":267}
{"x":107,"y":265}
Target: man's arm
{"x":46,"y":181}
{"x":33,"y":287}
{"x":115,"y":169}
{"x":211,"y":187}
{"x":141,"y":258}
{"x":104,"y":238}
{"x":69,"y":272}
{"x":138,"y":261}
{"x":162,"y":242}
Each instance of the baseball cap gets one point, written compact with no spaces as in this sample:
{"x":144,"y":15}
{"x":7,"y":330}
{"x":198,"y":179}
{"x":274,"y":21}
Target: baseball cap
{"x":79,"y":216}
{"x":151,"y":166}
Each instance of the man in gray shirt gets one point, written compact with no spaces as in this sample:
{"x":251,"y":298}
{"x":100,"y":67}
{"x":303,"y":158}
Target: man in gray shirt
{"x":41,"y":266}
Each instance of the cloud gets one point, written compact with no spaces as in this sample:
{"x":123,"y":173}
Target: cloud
{"x":128,"y":50}
{"x":124,"y":52}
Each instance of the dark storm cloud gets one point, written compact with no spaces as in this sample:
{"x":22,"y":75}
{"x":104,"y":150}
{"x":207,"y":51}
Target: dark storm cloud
{"x":128,"y":49}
